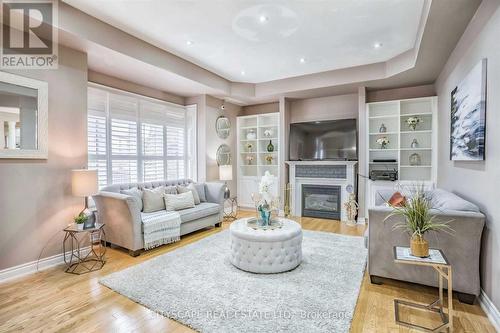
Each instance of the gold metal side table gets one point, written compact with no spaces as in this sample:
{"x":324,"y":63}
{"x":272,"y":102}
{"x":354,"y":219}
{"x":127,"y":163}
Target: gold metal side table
{"x":438,"y":261}
{"x":230,"y":209}
{"x":78,"y":260}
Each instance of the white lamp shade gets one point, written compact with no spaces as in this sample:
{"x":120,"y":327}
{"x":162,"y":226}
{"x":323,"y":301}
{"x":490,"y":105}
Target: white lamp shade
{"x":84,"y":182}
{"x":225,"y":172}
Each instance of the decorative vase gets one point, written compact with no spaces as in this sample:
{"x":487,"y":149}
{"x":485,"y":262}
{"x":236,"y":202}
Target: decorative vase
{"x":414,"y":143}
{"x":270,"y":147}
{"x":382,"y":129}
{"x":415,"y":159}
{"x":383,"y":146}
{"x":268,"y":133}
{"x":251,"y":135}
{"x":265,"y":214}
{"x":412,"y":126}
{"x":419,"y":247}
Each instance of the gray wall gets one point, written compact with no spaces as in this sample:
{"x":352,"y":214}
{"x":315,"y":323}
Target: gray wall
{"x":476,"y":181}
{"x":35,"y":195}
{"x":324,"y":108}
{"x":260,"y":108}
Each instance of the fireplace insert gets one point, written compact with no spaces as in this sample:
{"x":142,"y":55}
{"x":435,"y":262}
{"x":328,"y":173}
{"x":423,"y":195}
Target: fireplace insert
{"x":321,"y":201}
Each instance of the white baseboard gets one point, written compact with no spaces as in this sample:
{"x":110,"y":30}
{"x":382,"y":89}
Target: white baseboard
{"x":30,"y":267}
{"x":490,"y":309}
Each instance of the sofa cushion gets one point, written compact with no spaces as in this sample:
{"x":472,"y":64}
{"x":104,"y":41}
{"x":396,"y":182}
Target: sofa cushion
{"x":135,"y":193}
{"x":444,"y":200}
{"x":201,"y":191}
{"x":171,"y":190}
{"x":192,"y":189}
{"x":179,"y":201}
{"x":153,"y":199}
{"x":204,"y":209}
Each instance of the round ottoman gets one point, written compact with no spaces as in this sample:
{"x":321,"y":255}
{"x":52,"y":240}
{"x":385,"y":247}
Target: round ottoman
{"x":266,"y":251}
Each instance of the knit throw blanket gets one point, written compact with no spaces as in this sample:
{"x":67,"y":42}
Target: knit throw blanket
{"x":160,"y":228}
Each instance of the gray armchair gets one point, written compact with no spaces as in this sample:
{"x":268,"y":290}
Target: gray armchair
{"x":462,"y":248}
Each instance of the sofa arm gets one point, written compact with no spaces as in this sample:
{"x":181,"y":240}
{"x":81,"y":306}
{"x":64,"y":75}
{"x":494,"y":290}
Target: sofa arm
{"x":122,"y":217}
{"x":215,"y":192}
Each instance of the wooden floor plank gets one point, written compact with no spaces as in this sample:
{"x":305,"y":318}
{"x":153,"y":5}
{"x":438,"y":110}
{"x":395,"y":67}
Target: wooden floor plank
{"x":54,"y":301}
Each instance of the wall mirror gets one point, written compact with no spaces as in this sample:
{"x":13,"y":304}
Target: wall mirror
{"x":23,"y":117}
{"x":223,"y":127}
{"x":223,"y":155}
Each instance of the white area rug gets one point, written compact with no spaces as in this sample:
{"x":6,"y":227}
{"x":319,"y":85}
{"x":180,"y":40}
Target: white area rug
{"x":198,"y":286}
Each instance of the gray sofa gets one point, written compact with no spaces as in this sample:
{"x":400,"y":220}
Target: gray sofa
{"x":462,"y":248}
{"x":123,"y":218}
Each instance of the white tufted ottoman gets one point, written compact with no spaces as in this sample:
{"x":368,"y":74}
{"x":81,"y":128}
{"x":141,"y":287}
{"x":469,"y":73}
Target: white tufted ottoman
{"x":266,"y":251}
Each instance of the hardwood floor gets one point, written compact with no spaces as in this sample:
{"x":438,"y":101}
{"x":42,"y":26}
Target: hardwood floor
{"x":54,"y":301}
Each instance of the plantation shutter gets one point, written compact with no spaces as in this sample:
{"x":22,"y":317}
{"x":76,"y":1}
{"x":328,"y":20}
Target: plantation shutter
{"x":175,"y":143}
{"x":96,"y":134}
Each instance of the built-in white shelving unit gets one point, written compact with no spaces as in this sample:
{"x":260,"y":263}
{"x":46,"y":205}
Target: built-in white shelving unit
{"x":252,"y":162}
{"x":393,"y":114}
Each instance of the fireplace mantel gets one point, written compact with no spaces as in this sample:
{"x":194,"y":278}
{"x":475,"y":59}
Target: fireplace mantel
{"x":342,"y":173}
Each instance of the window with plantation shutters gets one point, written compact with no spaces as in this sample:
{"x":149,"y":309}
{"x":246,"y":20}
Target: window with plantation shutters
{"x":132,"y":138}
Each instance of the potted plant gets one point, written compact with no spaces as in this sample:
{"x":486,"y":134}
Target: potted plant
{"x":417,"y":222}
{"x":249,"y":147}
{"x":383,"y":142}
{"x":266,"y":201}
{"x":80,"y":220}
{"x":412,"y":122}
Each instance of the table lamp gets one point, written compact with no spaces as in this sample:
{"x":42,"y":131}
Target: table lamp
{"x":84,"y":184}
{"x":226,"y":173}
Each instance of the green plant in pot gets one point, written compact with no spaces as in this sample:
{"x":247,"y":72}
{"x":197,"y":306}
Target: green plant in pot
{"x":418,"y":221}
{"x":80,"y":220}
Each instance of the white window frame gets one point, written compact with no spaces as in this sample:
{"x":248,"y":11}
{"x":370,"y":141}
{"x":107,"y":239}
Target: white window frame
{"x":140,"y":157}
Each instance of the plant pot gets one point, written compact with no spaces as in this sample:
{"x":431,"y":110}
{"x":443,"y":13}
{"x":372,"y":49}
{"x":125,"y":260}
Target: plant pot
{"x":79,"y":226}
{"x":419,"y":247}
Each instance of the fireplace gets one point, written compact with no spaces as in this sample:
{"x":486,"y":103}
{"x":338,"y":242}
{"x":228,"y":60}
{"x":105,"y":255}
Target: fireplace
{"x":321,"y":201}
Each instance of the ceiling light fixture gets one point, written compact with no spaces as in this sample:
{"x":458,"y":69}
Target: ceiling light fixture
{"x":242,"y":72}
{"x":263,"y":19}
{"x":189,"y":42}
{"x":302,"y":60}
{"x":377,"y":45}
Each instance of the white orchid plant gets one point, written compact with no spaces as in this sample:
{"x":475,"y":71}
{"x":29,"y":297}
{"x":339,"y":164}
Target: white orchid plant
{"x":265,"y":191}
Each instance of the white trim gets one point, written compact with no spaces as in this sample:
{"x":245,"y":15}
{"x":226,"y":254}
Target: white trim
{"x":490,"y":310}
{"x":361,"y":220}
{"x":31,"y":267}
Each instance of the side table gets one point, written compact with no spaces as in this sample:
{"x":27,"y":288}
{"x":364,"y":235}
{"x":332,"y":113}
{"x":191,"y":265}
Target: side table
{"x":438,"y":261}
{"x":77,"y":260}
{"x":230,"y":208}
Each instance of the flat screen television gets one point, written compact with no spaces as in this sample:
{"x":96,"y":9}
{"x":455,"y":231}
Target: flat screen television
{"x":324,"y":140}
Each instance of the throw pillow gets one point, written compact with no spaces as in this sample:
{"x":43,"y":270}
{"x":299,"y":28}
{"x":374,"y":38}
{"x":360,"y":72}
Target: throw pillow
{"x":136,"y":193}
{"x":190,"y":188}
{"x":200,"y":188}
{"x":171,"y":189}
{"x":179,"y":201}
{"x":397,"y":200}
{"x":153,"y":199}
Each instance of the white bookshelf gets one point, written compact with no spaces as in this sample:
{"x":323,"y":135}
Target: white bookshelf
{"x":249,"y":175}
{"x":393,"y":114}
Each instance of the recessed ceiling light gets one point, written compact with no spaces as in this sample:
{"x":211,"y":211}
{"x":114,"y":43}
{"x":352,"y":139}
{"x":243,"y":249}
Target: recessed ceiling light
{"x":263,"y":18}
{"x":189,"y":42}
{"x":377,"y":45}
{"x":302,"y":60}
{"x":242,"y":72}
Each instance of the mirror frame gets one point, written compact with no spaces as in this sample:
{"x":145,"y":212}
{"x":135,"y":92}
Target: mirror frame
{"x":219,"y":152}
{"x":217,"y":129}
{"x":42,"y":116}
